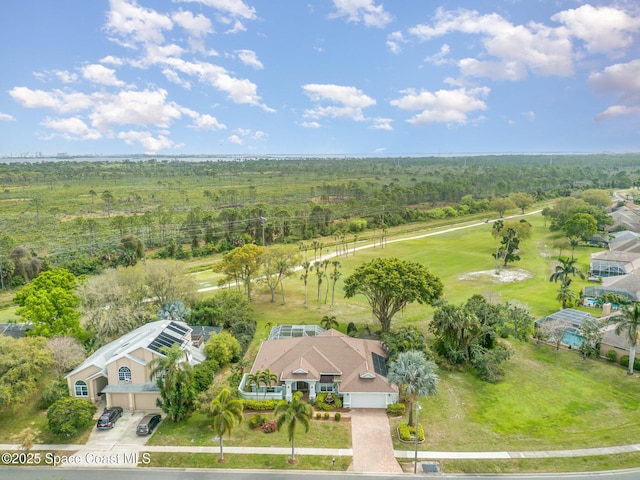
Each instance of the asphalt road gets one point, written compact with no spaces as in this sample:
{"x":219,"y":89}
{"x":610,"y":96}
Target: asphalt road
{"x":39,"y":473}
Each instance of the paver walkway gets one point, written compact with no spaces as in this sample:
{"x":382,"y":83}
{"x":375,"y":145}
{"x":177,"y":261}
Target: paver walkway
{"x":371,"y":442}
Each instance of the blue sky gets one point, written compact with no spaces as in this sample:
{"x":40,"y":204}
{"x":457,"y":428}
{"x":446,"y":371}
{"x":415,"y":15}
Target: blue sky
{"x":347,"y":77}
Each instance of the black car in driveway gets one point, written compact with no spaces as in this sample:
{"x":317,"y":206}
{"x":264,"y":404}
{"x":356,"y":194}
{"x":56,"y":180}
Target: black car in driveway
{"x":148,"y":424}
{"x":108,"y":418}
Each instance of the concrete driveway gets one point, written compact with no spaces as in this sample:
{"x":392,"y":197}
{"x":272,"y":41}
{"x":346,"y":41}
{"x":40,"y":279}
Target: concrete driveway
{"x":123,"y":433}
{"x":371,"y":442}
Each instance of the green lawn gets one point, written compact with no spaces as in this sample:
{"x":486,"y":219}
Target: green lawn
{"x":195,"y":431}
{"x":544,"y":465}
{"x":254,"y":461}
{"x":548,"y":400}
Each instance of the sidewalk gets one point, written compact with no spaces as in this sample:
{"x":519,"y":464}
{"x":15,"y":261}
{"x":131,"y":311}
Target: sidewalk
{"x":399,"y":454}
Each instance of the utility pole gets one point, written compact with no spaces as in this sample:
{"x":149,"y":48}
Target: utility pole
{"x":415,"y":460}
{"x":264,"y":219}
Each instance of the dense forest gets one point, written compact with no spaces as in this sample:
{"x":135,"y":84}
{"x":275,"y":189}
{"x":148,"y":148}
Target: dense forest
{"x":87,"y":215}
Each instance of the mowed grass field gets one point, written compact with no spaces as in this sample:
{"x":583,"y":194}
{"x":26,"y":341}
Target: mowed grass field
{"x":547,"y":400}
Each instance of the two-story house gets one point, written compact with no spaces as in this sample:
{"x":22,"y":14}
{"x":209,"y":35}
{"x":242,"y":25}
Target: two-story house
{"x":120,"y":370}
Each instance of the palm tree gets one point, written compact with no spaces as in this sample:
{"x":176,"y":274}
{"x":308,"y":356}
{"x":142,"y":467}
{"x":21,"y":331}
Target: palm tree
{"x":226,"y":413}
{"x":335,"y":276}
{"x":268,"y":378}
{"x":415,"y":376}
{"x":328,"y":322}
{"x":566,"y":296}
{"x":290,"y":415}
{"x":629,"y":322}
{"x":306,"y":266}
{"x":565,"y":270}
{"x":174,"y":377}
{"x":253,"y":379}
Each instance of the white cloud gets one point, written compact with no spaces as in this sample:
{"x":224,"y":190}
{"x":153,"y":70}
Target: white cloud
{"x":440,"y":57}
{"x":382,"y":124}
{"x":65,"y":76}
{"x":173,"y":77}
{"x":135,"y":24}
{"x":229,"y":12}
{"x":365,"y":11}
{"x":132,"y":107}
{"x":518,"y":49}
{"x":530,"y":115}
{"x":208,"y":122}
{"x":150,"y":143}
{"x":443,"y":106}
{"x":62,"y":75}
{"x":350,"y":101}
{"x":57,"y":100}
{"x":196,"y":25}
{"x":249,"y":57}
{"x":111,"y":60}
{"x":72,"y":128}
{"x":310,"y":125}
{"x":622,"y":79}
{"x":235,"y":8}
{"x":5,"y":117}
{"x":235,"y":139}
{"x":603,"y":29}
{"x":97,"y":73}
{"x":394,"y":42}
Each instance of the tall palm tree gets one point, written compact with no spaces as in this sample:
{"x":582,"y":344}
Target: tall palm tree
{"x":226,"y":413}
{"x":415,"y":376}
{"x":566,"y":296}
{"x":629,"y":322}
{"x":268,"y":378}
{"x":291,"y":415}
{"x":568,"y":268}
{"x":174,"y":377}
{"x":253,"y":379}
{"x":328,"y":322}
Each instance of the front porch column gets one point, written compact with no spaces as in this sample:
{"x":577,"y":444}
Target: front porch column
{"x":288,"y":395}
{"x":312,"y":391}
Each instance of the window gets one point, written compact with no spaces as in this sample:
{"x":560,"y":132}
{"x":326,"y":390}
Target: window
{"x":81,"y":389}
{"x":124,"y":374}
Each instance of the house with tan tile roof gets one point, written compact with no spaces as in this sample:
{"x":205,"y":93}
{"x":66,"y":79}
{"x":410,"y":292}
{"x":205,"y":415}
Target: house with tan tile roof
{"x":353,"y":368}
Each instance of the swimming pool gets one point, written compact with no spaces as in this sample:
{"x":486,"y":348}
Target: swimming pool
{"x":572,"y":339}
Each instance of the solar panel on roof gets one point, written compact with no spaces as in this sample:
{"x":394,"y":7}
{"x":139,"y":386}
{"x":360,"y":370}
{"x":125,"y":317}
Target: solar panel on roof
{"x":177,"y":328}
{"x":379,"y":364}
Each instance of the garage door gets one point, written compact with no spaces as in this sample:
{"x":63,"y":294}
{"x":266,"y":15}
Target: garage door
{"x":146,"y":401}
{"x":368,"y":400}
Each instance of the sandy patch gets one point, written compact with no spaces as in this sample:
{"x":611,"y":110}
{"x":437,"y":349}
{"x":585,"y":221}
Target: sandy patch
{"x":505,"y":276}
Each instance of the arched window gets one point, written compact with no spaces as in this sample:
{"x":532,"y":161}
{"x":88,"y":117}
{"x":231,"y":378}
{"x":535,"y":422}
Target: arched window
{"x":81,"y":389}
{"x":124,"y":374}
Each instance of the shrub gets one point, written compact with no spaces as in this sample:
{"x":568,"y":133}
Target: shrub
{"x":326,"y":415}
{"x":261,"y":405}
{"x":318,"y":416}
{"x":337,"y":416}
{"x":53,"y":392}
{"x":69,"y":415}
{"x":624,"y":361}
{"x":322,"y":405}
{"x":270,"y":426}
{"x":406,"y":432}
{"x":396,"y":409}
{"x":257,"y":420}
{"x":612,"y":356}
